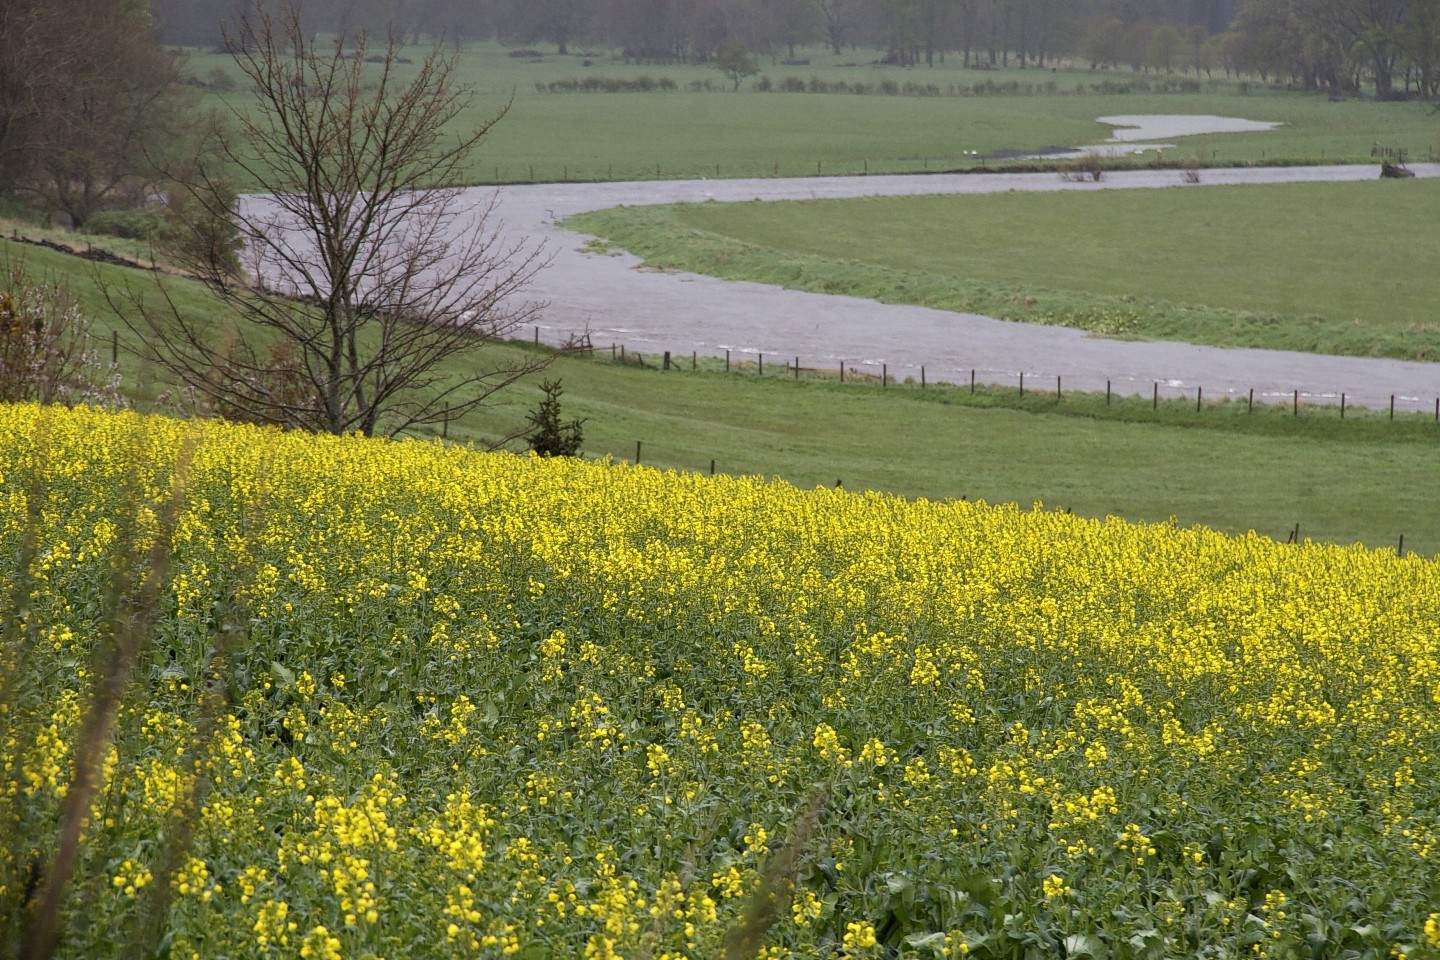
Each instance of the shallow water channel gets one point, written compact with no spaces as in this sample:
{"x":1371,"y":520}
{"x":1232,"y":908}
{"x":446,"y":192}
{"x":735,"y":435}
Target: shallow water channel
{"x":1132,"y":130}
{"x":610,"y":299}
{"x":651,"y":311}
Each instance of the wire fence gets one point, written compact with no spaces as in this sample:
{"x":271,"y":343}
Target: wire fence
{"x":862,"y":375}
{"x":590,"y":171}
{"x":1400,"y":404}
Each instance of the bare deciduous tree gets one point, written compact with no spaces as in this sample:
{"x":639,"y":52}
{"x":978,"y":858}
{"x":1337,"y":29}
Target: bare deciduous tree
{"x":837,"y":24}
{"x":83,"y":111}
{"x":372,"y":281}
{"x":45,"y":353}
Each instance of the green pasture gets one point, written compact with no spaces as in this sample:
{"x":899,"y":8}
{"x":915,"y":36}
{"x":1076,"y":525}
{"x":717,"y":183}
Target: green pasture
{"x":1361,"y":479}
{"x":1344,"y":268}
{"x":93,"y":287}
{"x":1365,"y":479}
{"x":715,"y":133}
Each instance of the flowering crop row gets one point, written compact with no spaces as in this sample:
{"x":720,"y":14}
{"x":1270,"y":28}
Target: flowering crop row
{"x":406,"y":700}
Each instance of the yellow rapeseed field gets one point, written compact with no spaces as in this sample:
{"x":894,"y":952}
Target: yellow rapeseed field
{"x":403,"y":700}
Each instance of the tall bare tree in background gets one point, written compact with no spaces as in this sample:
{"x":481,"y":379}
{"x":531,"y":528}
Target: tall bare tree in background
{"x":375,"y":283}
{"x":836,"y":14}
{"x":88,"y":100}
{"x":552,"y":21}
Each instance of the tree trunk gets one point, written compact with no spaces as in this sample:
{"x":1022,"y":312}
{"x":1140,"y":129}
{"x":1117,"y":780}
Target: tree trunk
{"x":1384,"y":66}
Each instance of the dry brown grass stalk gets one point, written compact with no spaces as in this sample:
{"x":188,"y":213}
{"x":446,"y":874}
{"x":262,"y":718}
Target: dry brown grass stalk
{"x":134,"y":604}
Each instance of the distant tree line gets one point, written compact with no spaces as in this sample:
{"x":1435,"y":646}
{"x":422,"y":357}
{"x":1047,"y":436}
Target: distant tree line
{"x":1339,"y":45}
{"x":1334,"y":45}
{"x":91,"y":101}
{"x":981,"y":32}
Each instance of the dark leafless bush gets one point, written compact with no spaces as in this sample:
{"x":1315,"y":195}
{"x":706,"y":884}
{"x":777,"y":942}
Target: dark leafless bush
{"x":1082,"y":170}
{"x":46,"y":351}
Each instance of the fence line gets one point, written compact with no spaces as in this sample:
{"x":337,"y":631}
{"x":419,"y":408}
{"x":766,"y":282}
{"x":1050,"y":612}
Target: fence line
{"x":618,"y":353}
{"x":990,"y":379}
{"x":965,"y":162}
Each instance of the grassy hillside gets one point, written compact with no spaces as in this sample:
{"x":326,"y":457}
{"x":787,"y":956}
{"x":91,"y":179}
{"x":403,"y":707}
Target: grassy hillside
{"x":1221,"y":468}
{"x":399,"y":699}
{"x":1364,"y":479}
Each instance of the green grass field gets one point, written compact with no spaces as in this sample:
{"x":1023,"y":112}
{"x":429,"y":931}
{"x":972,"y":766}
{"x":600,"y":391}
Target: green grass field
{"x":593,"y":136}
{"x":1364,"y":479}
{"x":1216,"y":468}
{"x":1344,"y":268}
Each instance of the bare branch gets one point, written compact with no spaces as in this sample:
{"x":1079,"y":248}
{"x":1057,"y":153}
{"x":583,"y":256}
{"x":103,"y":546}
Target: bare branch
{"x":368,"y":276}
